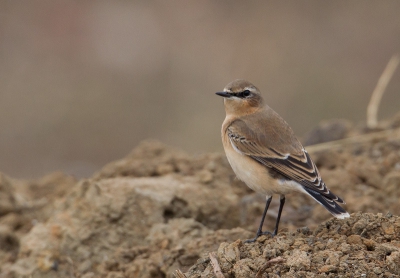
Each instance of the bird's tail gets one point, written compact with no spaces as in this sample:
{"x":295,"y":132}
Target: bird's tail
{"x":328,"y":203}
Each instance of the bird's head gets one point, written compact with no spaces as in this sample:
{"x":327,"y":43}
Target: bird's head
{"x":241,"y":97}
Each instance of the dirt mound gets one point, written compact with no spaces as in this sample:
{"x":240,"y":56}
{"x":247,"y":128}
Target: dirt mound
{"x":365,"y":245}
{"x":158,"y":210}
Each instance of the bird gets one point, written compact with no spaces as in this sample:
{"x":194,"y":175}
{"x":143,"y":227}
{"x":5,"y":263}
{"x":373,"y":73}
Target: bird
{"x":265,"y":154}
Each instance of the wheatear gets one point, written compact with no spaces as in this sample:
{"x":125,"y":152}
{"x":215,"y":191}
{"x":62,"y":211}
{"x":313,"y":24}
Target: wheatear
{"x":265,"y":154}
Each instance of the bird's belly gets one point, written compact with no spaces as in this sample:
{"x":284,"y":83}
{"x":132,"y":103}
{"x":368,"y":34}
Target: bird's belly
{"x":250,"y":172}
{"x":257,"y":177}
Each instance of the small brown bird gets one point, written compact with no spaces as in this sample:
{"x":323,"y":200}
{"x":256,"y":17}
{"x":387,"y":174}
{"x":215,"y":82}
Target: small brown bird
{"x":265,"y":154}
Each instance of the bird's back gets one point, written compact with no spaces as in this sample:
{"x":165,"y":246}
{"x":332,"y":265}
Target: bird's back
{"x":267,"y":128}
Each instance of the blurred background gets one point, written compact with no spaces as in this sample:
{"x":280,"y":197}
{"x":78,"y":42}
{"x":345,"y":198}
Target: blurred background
{"x":83,"y":82}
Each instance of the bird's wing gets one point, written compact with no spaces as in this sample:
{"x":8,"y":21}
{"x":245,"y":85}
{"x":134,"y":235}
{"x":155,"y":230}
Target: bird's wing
{"x":283,"y":154}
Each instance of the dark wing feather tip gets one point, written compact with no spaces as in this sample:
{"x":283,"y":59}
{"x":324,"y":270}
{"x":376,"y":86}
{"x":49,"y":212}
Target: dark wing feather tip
{"x":329,"y":204}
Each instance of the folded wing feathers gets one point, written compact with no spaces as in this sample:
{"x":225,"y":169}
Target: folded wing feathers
{"x":297,"y":167}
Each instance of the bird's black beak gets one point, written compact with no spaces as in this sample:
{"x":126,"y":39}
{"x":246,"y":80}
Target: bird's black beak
{"x":223,"y":94}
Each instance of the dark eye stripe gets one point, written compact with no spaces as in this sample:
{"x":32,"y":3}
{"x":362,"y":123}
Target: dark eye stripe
{"x":243,"y":94}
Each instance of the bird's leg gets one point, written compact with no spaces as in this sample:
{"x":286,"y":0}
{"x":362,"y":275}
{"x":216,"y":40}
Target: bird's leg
{"x":282,"y":203}
{"x":259,"y":231}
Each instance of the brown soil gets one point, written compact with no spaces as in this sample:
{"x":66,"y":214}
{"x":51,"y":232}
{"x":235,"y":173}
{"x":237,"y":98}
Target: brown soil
{"x":159,"y":210}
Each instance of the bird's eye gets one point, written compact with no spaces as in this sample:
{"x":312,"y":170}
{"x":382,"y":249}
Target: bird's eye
{"x":246,"y":93}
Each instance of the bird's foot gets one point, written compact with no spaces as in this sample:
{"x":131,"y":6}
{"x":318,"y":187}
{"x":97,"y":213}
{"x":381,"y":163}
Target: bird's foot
{"x":259,"y":233}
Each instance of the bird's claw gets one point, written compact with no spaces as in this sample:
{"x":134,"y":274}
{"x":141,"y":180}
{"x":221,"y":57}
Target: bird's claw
{"x":260,"y":234}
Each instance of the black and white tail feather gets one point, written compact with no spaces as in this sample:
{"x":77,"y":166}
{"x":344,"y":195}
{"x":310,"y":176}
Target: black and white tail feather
{"x":329,"y":204}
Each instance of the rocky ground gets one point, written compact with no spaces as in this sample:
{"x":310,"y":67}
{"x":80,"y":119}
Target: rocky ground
{"x":161,"y":213}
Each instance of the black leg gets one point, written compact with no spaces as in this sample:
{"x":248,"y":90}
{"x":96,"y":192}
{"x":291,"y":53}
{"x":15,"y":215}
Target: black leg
{"x":259,"y":232}
{"x":282,"y":203}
